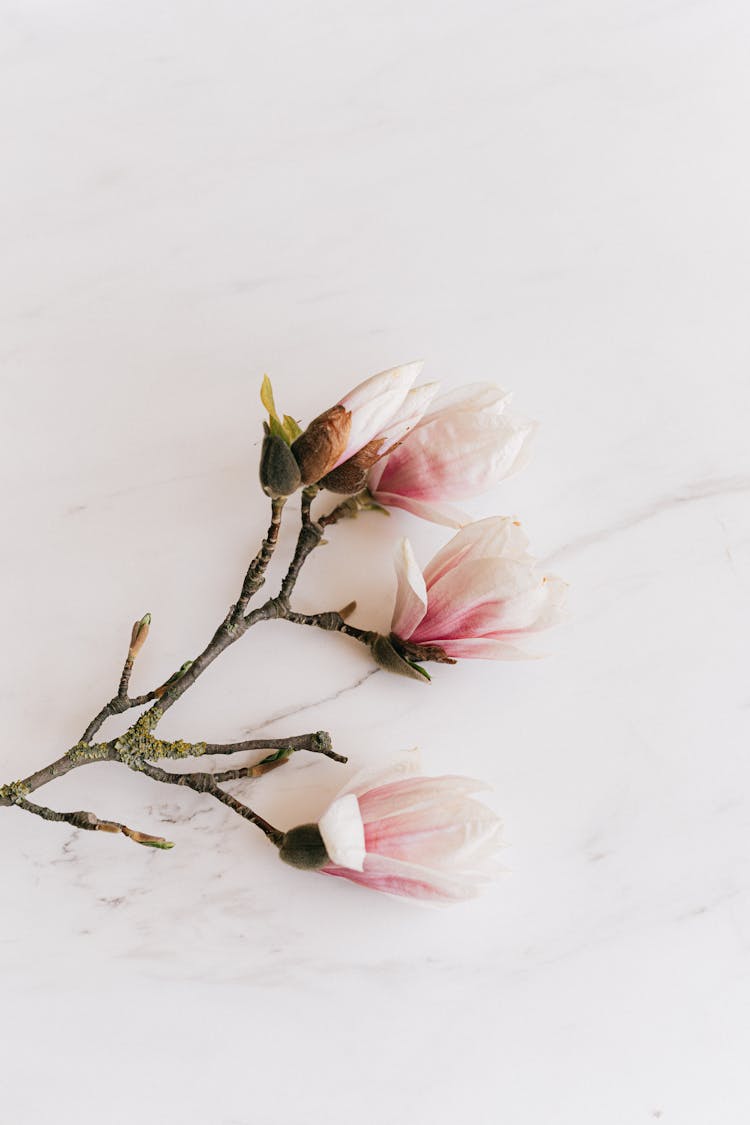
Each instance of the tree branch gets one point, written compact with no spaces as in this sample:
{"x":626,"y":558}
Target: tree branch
{"x":332,"y":622}
{"x":318,"y":742}
{"x":138,"y":747}
{"x":205,"y":783}
{"x":92,"y":823}
{"x":256,"y":572}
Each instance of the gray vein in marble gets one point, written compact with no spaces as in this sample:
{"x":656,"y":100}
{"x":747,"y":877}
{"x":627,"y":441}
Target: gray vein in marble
{"x":304,"y":707}
{"x":180,"y":478}
{"x":690,"y":494}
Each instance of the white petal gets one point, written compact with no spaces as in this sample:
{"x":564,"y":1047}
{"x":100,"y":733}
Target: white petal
{"x":374,"y":402}
{"x":473,"y":398}
{"x":372,"y":777}
{"x":407,"y":416}
{"x":411,"y":592}
{"x":343,"y":832}
{"x":496,"y":537}
{"x":552,"y":609}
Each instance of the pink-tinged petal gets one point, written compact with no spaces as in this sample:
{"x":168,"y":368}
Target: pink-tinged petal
{"x":444,"y":514}
{"x":479,"y":597}
{"x":405,"y":880}
{"x":467,"y":443}
{"x":373,"y":403}
{"x":436,"y":843}
{"x":493,"y":537}
{"x":410,"y":794}
{"x":460,"y":458}
{"x":374,"y":475}
{"x":483,"y":648}
{"x":542,"y":607}
{"x":343,"y":832}
{"x":411,"y":593}
{"x":454,"y":834}
{"x":372,"y":777}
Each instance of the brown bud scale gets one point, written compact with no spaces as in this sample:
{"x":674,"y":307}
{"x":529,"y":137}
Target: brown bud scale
{"x":318,"y":449}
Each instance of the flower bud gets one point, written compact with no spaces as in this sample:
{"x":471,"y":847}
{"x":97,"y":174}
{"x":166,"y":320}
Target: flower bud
{"x":159,"y":692}
{"x":321,"y":445}
{"x":139,"y":635}
{"x":384,"y":654}
{"x":303,"y":847}
{"x":279,"y":472}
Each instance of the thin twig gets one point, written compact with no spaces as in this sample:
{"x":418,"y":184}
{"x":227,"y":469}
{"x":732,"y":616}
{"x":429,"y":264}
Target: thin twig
{"x":257,"y":770}
{"x":332,"y":622}
{"x":117,"y":706}
{"x":256,"y":572}
{"x":317,"y":742}
{"x":122,"y":691}
{"x":91,"y":823}
{"x":205,"y":783}
{"x":310,"y":535}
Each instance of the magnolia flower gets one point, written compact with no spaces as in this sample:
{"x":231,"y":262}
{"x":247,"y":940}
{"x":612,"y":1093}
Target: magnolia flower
{"x":370,"y":420}
{"x":478,"y":596}
{"x":465,"y":444}
{"x":404,"y":834}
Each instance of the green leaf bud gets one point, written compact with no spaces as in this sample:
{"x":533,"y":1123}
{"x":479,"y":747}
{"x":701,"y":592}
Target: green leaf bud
{"x":279,"y":471}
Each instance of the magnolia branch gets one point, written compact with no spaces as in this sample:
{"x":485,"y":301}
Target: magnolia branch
{"x":121,"y":750}
{"x":92,"y":823}
{"x":139,"y":749}
{"x":207,"y":783}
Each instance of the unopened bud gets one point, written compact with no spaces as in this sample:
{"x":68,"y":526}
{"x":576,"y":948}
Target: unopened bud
{"x":152,"y":841}
{"x":303,"y":847}
{"x":139,"y":635}
{"x":384,"y":654}
{"x":351,"y":476}
{"x":159,"y":692}
{"x":279,"y":471}
{"x":318,"y":449}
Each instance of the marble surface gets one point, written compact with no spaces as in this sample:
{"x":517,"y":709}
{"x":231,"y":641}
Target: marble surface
{"x":552,"y":196}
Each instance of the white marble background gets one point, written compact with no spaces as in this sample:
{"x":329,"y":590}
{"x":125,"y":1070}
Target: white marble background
{"x":550,"y":195}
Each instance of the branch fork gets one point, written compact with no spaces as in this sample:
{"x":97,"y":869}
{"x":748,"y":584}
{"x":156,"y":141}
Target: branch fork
{"x":140,"y":750}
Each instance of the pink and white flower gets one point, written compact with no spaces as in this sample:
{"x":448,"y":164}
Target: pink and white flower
{"x":377,"y":405}
{"x":479,"y":595}
{"x":368,"y":422}
{"x":468,"y":442}
{"x":419,"y":837}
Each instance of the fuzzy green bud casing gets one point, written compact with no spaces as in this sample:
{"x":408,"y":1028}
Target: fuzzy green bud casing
{"x":303,"y":847}
{"x":385,"y":655}
{"x":279,"y":471}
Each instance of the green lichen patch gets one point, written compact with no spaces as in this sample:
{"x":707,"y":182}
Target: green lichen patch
{"x":14,"y":791}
